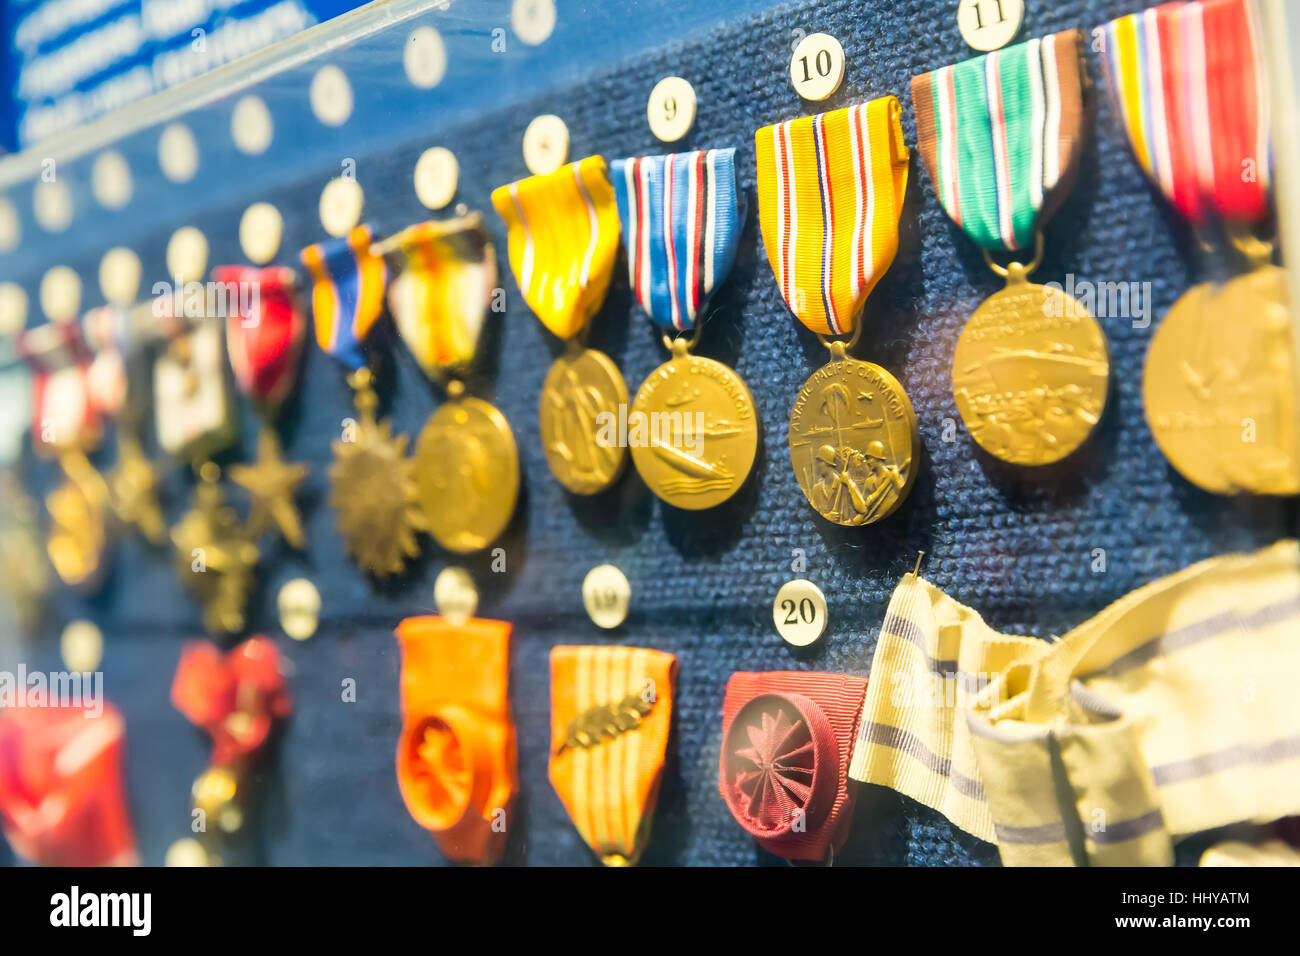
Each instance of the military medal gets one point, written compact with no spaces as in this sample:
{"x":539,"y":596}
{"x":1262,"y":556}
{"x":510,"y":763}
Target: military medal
{"x":456,"y":759}
{"x":24,"y":568}
{"x":693,"y":428}
{"x":67,"y":424}
{"x":1219,"y":385}
{"x":787,"y":738}
{"x":611,"y":712}
{"x":265,"y":346}
{"x":372,"y":481}
{"x":563,"y":241}
{"x":830,"y":193}
{"x":466,"y":460}
{"x":1001,"y":136}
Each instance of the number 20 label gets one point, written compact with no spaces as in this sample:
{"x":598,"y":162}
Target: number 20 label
{"x":799,"y":612}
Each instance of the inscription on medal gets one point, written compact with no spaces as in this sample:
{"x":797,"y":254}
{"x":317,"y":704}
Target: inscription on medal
{"x":581,"y":388}
{"x":853,"y":438}
{"x":1030,"y":374}
{"x":702,"y":433}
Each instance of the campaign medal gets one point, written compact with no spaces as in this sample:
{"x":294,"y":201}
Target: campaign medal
{"x":456,"y":759}
{"x":1001,"y":136}
{"x":1219,"y":386}
{"x":466,"y":460}
{"x":830,"y":193}
{"x":239,"y":698}
{"x":611,"y":712}
{"x":66,"y":425}
{"x":372,"y":481}
{"x":693,"y":428}
{"x":787,"y":738}
{"x":562,"y":243}
{"x":265,"y":341}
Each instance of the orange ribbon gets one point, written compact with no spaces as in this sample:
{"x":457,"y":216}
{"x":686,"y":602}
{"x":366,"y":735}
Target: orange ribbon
{"x":456,"y":757}
{"x":611,"y":708}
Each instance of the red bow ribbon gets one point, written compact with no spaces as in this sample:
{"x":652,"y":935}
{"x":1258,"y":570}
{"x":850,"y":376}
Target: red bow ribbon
{"x":264,"y":329}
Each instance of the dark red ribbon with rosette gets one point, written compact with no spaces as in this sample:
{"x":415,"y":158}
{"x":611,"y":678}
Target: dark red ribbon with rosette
{"x":786,"y":742}
{"x":265,"y":329}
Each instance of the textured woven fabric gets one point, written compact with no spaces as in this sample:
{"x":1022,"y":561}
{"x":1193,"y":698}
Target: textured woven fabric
{"x":1021,"y":550}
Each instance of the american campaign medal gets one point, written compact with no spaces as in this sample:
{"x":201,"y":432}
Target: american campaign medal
{"x":834,"y":184}
{"x":693,"y":428}
{"x":564,"y":277}
{"x":466,"y":460}
{"x":693,"y":431}
{"x":1001,"y":136}
{"x":372,"y":482}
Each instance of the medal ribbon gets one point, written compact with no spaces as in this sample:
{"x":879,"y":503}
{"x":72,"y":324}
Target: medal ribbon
{"x":347,"y":294}
{"x":63,"y":397}
{"x":1142,"y":704}
{"x":264,"y":329}
{"x":562,"y":241}
{"x":443,"y":290}
{"x":830,"y":194}
{"x":682,"y":216}
{"x":786,"y":739}
{"x":1188,"y":83}
{"x":15,"y":398}
{"x":611,"y":710}
{"x":1001,"y":136}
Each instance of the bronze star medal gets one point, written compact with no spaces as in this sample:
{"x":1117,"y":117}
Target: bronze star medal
{"x":133,"y":489}
{"x":271,"y":485}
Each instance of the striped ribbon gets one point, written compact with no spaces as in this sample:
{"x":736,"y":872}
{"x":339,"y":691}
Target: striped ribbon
{"x":682,"y":217}
{"x":1170,"y":712}
{"x":347,"y":293}
{"x":830,"y":194}
{"x":64,"y":414}
{"x":610,"y":788}
{"x":563,"y":241}
{"x":15,"y":399}
{"x":265,"y":342}
{"x":1001,"y":136}
{"x":1189,"y":85}
{"x":445,"y":275}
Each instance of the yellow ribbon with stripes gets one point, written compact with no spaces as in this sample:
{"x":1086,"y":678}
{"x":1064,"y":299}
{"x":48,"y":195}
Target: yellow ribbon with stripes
{"x":563,"y":233}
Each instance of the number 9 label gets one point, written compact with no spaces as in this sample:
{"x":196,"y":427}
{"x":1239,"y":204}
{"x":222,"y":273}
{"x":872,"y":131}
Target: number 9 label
{"x":671,"y":110}
{"x":799,"y":612}
{"x":817,"y":67}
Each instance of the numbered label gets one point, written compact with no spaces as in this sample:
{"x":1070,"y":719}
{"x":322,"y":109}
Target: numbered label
{"x":341,"y":202}
{"x":990,"y":24}
{"x":799,"y":612}
{"x":455,"y":595}
{"x":671,"y":109}
{"x":817,"y":67}
{"x":81,"y":646}
{"x":437,"y":174}
{"x":546,"y":144}
{"x":260,"y":229}
{"x":606,"y":594}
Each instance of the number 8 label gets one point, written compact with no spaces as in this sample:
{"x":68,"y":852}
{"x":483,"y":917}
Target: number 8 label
{"x":817,"y":67}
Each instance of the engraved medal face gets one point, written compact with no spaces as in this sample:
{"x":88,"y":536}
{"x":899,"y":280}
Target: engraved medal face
{"x":1030,"y":374}
{"x":853,"y":442}
{"x":467,"y":474}
{"x":693,"y":431}
{"x":1219,"y":387}
{"x":582,"y":386}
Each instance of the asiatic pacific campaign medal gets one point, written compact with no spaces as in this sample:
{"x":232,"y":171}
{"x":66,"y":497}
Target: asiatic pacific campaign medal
{"x":1001,"y":136}
{"x":787,"y":738}
{"x":265,"y":345}
{"x":830,"y":193}
{"x":611,"y":711}
{"x":693,"y":428}
{"x":563,"y":241}
{"x":1220,"y":385}
{"x":372,"y":482}
{"x":456,"y":759}
{"x":466,"y":459}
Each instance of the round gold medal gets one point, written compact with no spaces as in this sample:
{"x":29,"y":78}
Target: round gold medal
{"x":693,"y":431}
{"x":582,"y":392}
{"x":853,"y":441}
{"x":467,"y":474}
{"x":1031,"y":372}
{"x":1220,"y":387}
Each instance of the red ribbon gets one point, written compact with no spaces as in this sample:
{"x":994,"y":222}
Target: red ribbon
{"x":264,"y":329}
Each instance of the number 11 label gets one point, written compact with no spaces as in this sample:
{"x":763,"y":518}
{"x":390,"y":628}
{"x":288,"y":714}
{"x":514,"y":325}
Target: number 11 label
{"x":990,"y":24}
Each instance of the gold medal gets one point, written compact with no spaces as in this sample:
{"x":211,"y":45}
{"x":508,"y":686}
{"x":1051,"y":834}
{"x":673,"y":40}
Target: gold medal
{"x":215,"y":555}
{"x":693,"y":430}
{"x":1219,"y":386}
{"x":466,"y":472}
{"x":1031,"y":371}
{"x":853,"y":440}
{"x":583,"y":389}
